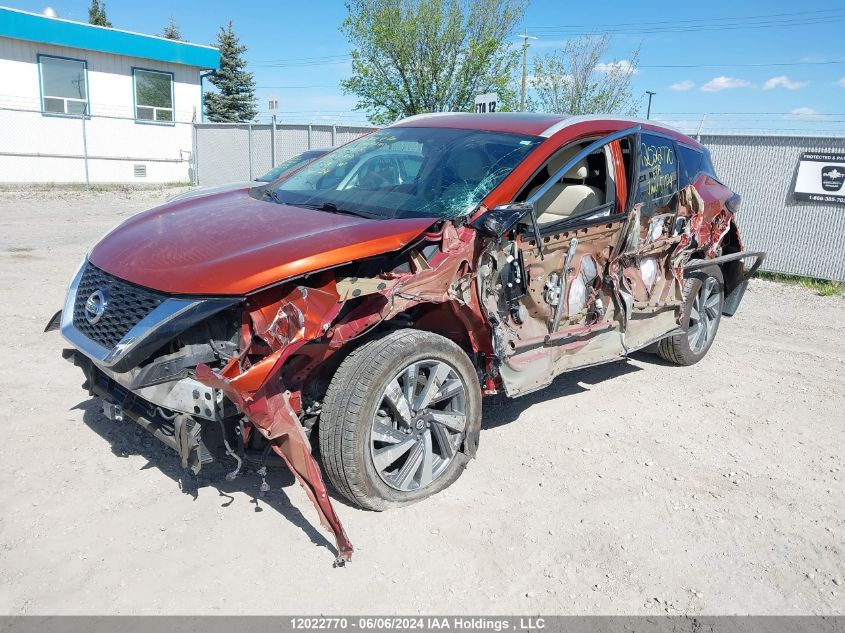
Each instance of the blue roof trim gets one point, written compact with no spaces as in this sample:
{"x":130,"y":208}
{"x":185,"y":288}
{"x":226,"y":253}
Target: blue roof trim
{"x":38,"y":28}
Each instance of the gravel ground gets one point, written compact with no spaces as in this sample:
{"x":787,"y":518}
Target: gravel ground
{"x":632,"y":488}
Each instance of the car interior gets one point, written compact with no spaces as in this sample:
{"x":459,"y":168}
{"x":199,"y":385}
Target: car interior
{"x":588,"y":188}
{"x":467,"y":165}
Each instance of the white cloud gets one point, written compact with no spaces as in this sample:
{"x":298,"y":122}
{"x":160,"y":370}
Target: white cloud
{"x":783,"y":81}
{"x":686,"y":84}
{"x":841,"y":82}
{"x":807,"y":114}
{"x":725,"y":83}
{"x":623,"y":66}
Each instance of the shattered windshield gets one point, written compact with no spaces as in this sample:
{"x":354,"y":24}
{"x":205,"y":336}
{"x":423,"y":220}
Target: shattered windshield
{"x":408,"y":172}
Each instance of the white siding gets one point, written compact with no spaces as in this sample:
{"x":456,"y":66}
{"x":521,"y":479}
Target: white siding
{"x":111,"y":131}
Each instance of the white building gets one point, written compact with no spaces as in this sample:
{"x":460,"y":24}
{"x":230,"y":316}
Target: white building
{"x":82,"y":102}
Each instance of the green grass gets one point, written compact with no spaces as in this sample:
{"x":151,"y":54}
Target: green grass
{"x":821,"y":287}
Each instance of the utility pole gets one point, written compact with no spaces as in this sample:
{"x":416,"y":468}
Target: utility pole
{"x":650,"y":95}
{"x":525,"y":37}
{"x":273,"y":107}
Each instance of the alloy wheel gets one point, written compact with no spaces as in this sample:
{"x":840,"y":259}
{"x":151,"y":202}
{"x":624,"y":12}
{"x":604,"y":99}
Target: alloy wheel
{"x":704,"y":313}
{"x":419,"y":425}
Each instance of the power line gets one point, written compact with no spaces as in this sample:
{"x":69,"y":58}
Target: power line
{"x":301,"y":64}
{"x":740,"y":65}
{"x":703,"y":20}
{"x":296,"y":87}
{"x":720,"y":65}
{"x":318,"y":58}
{"x":647,"y":29}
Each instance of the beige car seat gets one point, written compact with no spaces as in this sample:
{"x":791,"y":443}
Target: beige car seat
{"x":469,"y":167}
{"x":567,"y":198}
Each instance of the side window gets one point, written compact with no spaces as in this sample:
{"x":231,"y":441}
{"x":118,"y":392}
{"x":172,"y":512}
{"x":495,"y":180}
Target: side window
{"x":64,"y":85}
{"x":693,"y":162}
{"x":153,"y":96}
{"x":586,"y":191}
{"x":658,"y":178}
{"x":410,"y":165}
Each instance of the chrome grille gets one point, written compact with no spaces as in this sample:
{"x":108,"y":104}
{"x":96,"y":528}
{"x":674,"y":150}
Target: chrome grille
{"x":126,"y":305}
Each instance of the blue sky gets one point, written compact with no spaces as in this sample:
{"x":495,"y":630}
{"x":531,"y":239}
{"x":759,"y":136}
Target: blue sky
{"x":298,"y":54}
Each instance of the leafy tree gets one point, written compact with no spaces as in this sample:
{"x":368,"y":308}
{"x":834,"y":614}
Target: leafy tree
{"x":97,"y":14}
{"x":573,"y":80}
{"x":171,"y":31}
{"x":415,"y":56}
{"x":235,"y":99}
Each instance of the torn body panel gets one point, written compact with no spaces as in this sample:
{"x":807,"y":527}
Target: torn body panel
{"x":564,"y":286}
{"x":597,"y":289}
{"x":311,"y":323}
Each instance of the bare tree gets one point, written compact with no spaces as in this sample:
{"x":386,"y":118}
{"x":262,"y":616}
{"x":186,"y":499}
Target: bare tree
{"x":574,"y":80}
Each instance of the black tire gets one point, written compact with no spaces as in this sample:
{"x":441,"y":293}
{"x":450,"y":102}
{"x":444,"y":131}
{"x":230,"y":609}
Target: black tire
{"x":357,"y":394}
{"x":680,"y":349}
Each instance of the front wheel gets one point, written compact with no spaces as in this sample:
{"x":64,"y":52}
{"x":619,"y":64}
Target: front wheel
{"x":397,"y":417}
{"x":704,"y":293}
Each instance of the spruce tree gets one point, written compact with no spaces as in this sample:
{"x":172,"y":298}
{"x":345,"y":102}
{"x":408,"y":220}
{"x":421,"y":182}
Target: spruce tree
{"x":171,"y":31}
{"x":234,"y":100}
{"x":97,"y":14}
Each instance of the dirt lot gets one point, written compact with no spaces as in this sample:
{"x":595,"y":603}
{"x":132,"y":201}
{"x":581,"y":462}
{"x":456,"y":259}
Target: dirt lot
{"x":633,"y":488}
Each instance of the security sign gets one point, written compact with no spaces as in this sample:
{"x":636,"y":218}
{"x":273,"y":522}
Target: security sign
{"x":821,"y":178}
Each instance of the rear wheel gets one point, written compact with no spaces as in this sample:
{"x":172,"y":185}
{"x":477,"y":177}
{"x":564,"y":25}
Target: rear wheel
{"x":705,"y":296}
{"x":395,"y":419}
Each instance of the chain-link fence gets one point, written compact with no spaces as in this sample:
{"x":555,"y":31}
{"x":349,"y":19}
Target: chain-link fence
{"x":227,"y":152}
{"x":801,"y":238}
{"x":37,"y":147}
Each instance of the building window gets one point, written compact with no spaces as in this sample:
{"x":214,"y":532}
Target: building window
{"x":64,"y":85}
{"x":153,"y":96}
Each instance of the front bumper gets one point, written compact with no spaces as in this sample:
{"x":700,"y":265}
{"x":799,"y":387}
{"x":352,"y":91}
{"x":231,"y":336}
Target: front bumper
{"x":172,"y":390}
{"x":196,"y":441}
{"x":126,"y":335}
{"x":135,"y":323}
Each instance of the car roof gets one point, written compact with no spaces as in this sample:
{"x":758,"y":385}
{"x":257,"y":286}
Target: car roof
{"x":530,"y":123}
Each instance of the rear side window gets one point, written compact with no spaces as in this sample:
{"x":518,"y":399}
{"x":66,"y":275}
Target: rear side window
{"x":658,"y":177}
{"x":410,"y":165}
{"x":694,"y":162}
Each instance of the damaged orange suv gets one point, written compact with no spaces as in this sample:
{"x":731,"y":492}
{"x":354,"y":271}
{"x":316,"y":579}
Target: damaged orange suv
{"x":366,"y":303}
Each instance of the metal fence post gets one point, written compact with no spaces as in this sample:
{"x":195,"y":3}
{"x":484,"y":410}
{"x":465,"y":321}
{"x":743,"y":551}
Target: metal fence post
{"x":249,"y":149}
{"x":700,"y":126}
{"x":85,"y":147}
{"x":309,"y":136}
{"x":195,"y":179}
{"x":273,"y":142}
{"x":334,"y":134}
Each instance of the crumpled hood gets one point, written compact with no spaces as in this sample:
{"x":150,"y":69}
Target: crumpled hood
{"x":231,"y":244}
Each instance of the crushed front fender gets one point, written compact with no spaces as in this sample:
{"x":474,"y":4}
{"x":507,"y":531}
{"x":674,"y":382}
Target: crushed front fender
{"x":256,"y":389}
